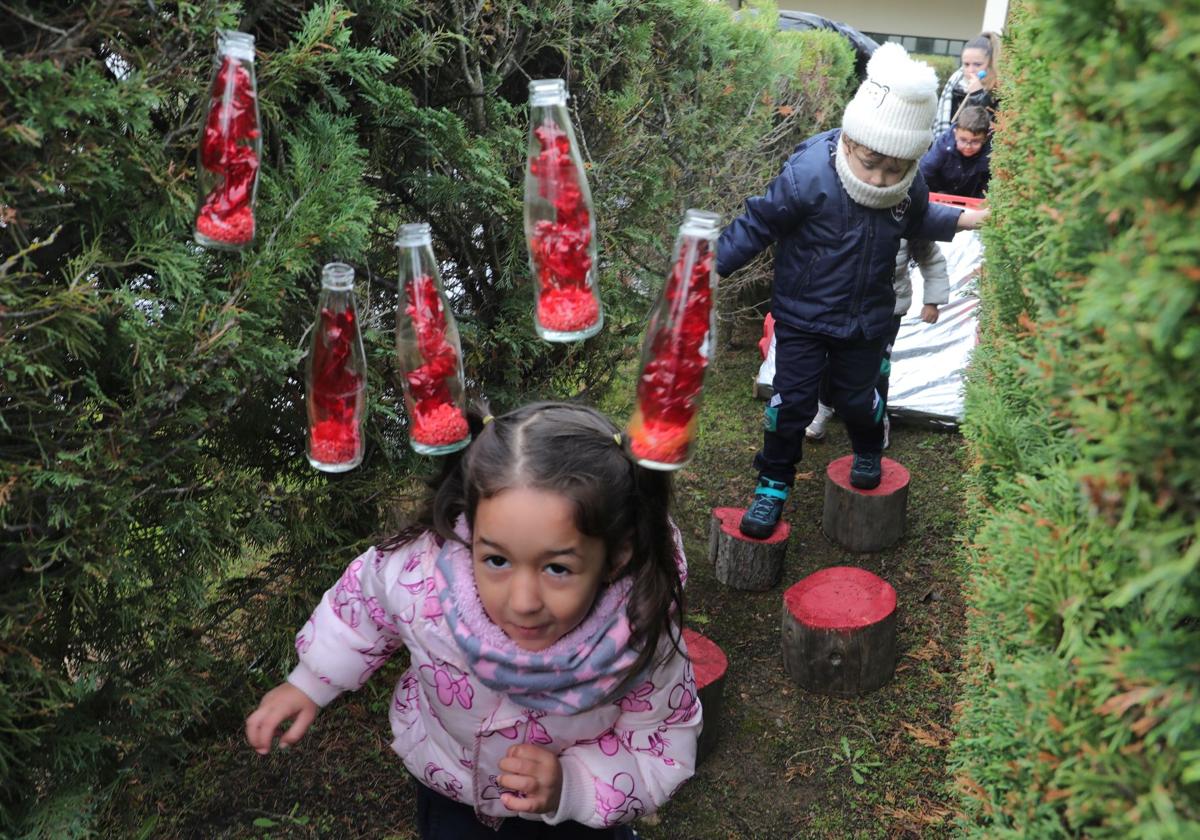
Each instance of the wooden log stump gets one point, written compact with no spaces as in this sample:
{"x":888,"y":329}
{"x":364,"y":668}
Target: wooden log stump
{"x":865,"y":520}
{"x":744,"y":562}
{"x":839,"y":631}
{"x":709,"y":665}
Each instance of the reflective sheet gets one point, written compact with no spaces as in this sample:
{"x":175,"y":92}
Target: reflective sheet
{"x":928,"y":360}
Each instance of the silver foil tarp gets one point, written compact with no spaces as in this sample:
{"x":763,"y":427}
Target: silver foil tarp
{"x":928,"y":360}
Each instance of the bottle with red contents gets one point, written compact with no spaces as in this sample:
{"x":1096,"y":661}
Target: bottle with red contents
{"x":335,"y":380}
{"x":677,"y":347}
{"x":559,"y":228}
{"x":230,"y":148}
{"x":428,"y":350}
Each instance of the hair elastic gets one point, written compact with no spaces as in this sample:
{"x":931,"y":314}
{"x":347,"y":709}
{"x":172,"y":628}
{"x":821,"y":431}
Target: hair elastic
{"x":617,"y":438}
{"x":488,"y":418}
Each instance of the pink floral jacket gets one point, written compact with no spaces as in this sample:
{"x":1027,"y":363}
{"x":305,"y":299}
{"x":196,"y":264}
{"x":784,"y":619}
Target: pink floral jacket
{"x":620,"y":760}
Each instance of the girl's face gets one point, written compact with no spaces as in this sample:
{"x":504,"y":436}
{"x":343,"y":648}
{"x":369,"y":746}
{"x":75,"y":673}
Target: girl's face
{"x":537,"y":575}
{"x":973,"y":60}
{"x":873,"y":168}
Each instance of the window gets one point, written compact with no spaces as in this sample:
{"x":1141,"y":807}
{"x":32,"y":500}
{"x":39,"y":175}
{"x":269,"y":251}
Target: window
{"x":921,"y":44}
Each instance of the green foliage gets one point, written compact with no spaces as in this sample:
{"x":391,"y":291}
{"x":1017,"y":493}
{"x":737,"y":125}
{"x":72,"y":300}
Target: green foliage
{"x":1083,"y":717}
{"x":161,"y":535}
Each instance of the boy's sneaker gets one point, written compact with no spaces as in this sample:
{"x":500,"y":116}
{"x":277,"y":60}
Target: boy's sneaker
{"x":866,"y":471}
{"x":887,"y":431}
{"x":762,"y":516}
{"x":816,"y":429}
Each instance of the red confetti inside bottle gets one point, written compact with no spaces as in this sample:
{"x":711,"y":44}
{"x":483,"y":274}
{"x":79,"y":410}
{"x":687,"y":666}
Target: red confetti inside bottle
{"x":676,"y":351}
{"x":336,"y":376}
{"x":230,"y":148}
{"x":428,"y":350}
{"x":559,"y":228}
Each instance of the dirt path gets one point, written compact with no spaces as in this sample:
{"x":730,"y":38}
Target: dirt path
{"x":786,"y":764}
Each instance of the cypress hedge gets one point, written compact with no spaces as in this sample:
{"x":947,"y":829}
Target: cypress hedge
{"x":1081,"y":715}
{"x":161,"y":534}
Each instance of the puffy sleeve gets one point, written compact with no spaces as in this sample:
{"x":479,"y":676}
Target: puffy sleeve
{"x":635,"y":767}
{"x":933,"y":269}
{"x":361,"y":621}
{"x":767,"y":218}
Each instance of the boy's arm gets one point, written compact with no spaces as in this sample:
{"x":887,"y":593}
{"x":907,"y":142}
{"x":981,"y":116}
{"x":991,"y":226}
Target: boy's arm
{"x":633,"y":768}
{"x":359,"y":623}
{"x":768,"y":217}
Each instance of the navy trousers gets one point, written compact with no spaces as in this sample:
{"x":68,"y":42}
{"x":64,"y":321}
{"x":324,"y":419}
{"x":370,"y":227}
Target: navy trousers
{"x":801,"y":358}
{"x":441,"y":818}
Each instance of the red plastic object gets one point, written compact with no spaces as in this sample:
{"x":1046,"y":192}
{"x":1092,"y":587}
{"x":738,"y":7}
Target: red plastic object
{"x":841,"y":598}
{"x":895,"y":476}
{"x":764,"y":343}
{"x":956,"y":200}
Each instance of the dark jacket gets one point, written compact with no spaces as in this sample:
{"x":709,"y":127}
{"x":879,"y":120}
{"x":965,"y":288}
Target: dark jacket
{"x":834,"y":258}
{"x":947,"y":171}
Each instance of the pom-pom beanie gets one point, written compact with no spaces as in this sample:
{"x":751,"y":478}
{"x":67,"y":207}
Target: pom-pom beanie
{"x":893,"y":108}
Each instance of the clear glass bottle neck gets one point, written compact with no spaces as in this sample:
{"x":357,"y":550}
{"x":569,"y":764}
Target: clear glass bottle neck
{"x":337,"y":277}
{"x":239,"y":45}
{"x":702,"y":223}
{"x":544,"y":92}
{"x":414,"y":235}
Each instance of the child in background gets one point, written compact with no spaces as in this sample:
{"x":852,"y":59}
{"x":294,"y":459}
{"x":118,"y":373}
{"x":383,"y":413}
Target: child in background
{"x":929,"y":257}
{"x":959,"y":161}
{"x":976,"y":82}
{"x":540,"y":596}
{"x":837,"y":213}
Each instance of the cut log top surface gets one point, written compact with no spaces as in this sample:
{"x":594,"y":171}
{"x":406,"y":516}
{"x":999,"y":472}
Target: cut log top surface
{"x":895,"y":476}
{"x":730,"y":518}
{"x":841,"y":598}
{"x":708,"y":660}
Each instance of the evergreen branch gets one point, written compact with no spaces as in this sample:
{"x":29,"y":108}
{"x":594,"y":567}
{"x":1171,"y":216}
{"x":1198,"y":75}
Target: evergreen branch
{"x":29,"y":249}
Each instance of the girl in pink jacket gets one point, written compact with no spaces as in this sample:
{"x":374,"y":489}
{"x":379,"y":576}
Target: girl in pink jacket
{"x":540,"y":596}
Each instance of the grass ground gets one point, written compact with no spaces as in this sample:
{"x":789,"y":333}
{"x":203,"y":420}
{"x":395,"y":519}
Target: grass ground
{"x":789,"y":764}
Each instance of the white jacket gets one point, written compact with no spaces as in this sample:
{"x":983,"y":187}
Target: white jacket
{"x":933,"y":269}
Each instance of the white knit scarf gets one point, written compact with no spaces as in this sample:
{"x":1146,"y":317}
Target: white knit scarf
{"x":876,"y":198}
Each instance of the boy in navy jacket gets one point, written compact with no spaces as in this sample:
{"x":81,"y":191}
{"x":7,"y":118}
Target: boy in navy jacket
{"x":959,"y":161}
{"x":836,"y":214}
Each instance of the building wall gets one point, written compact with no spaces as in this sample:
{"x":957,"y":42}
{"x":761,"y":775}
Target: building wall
{"x":951,"y":19}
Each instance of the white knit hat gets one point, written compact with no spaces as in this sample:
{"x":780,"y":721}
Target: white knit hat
{"x":893,"y":108}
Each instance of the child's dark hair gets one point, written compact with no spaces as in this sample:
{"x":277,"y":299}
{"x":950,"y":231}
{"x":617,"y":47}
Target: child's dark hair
{"x":974,"y":119}
{"x":577,"y":452}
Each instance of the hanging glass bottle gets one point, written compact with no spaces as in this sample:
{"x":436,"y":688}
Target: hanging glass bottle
{"x":676,"y":349}
{"x":230,"y":148}
{"x":335,"y":380}
{"x":559,"y":228}
{"x":428,"y":350}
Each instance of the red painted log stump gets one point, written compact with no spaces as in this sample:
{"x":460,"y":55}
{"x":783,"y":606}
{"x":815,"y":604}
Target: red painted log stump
{"x":709,"y":665}
{"x":865,"y":520}
{"x":744,"y":562}
{"x":839,"y":631}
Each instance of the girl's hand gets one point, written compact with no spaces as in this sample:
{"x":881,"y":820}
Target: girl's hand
{"x":929,"y":313}
{"x":283,"y":702}
{"x":974,"y":83}
{"x":535,"y":772}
